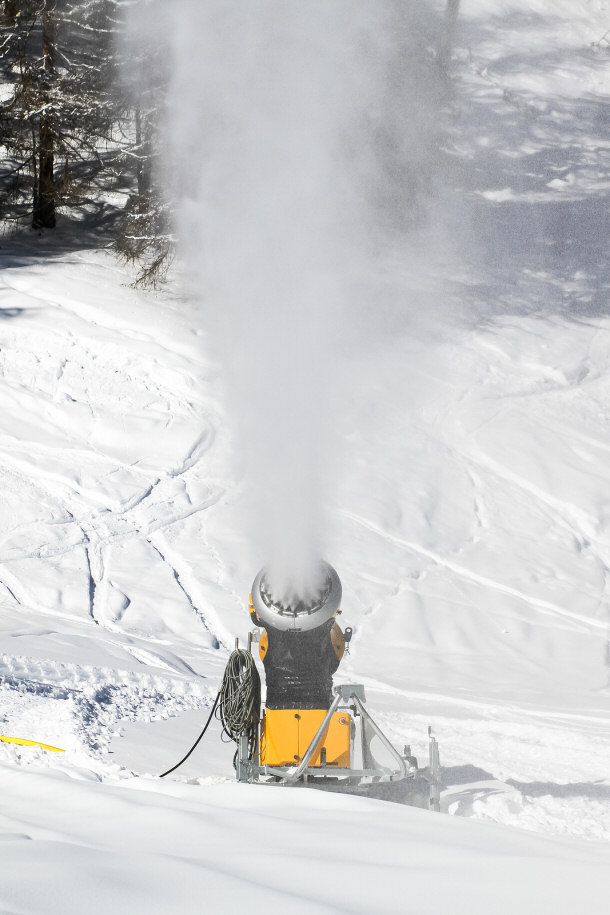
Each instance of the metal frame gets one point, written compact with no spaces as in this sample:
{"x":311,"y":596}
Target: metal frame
{"x":352,"y":696}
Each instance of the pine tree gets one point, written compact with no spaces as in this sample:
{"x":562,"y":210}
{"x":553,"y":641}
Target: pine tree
{"x":145,"y":236}
{"x":62,"y":105}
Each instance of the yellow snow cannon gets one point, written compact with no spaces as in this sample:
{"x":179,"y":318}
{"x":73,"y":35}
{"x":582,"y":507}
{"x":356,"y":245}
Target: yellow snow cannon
{"x":312,"y":732}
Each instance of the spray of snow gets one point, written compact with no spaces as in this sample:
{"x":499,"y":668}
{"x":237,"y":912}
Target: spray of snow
{"x":296,"y":130}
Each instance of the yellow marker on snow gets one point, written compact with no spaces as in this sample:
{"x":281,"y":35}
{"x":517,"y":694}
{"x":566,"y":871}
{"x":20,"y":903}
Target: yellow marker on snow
{"x":30,"y":743}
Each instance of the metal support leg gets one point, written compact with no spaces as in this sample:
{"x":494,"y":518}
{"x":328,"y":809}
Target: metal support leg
{"x":313,"y":746}
{"x":435,"y":773}
{"x":243,"y":766}
{"x":402,"y":769}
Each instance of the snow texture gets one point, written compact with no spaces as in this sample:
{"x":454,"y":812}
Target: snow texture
{"x":470,"y":525}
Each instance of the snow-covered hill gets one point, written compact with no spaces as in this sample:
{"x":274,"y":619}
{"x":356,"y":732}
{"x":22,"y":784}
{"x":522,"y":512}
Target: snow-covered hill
{"x":471,"y":531}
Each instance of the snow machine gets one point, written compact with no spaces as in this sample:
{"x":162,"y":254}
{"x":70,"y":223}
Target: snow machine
{"x":312,"y":733}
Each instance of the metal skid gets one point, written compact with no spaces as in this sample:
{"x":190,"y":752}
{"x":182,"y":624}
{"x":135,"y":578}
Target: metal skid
{"x":350,"y":696}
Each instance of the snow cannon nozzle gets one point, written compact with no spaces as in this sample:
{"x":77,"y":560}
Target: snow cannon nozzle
{"x":297,"y":613}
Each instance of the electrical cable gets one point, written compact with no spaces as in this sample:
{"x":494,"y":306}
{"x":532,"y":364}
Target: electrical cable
{"x":238,"y":701}
{"x":184,"y":758}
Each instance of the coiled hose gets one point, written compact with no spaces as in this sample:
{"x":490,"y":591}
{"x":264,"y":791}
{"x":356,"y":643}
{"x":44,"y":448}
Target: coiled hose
{"x":240,"y":699}
{"x":237,"y":704}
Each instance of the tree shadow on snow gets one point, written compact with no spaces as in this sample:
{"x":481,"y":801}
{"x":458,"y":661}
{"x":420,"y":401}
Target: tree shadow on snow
{"x":536,"y":218}
{"x":96,"y":228}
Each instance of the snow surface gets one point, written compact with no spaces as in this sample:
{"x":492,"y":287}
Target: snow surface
{"x":471,"y":532}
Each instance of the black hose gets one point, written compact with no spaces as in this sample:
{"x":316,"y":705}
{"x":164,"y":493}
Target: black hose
{"x":184,"y":758}
{"x":238,"y":701}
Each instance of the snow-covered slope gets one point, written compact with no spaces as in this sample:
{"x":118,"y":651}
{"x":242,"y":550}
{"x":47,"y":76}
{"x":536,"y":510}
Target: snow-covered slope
{"x":471,"y":533}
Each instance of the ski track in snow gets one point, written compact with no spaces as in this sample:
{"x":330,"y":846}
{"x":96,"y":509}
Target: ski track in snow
{"x":461,"y":571}
{"x":94,"y":498}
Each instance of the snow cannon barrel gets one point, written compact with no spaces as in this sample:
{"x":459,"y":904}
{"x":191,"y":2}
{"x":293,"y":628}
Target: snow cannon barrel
{"x":295,"y":613}
{"x":302,"y":644}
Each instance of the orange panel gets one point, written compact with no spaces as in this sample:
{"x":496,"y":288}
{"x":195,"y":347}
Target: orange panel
{"x":279,"y":738}
{"x":336,"y":740}
{"x":286,"y":734}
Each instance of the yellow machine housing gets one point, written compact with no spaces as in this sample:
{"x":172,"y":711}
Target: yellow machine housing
{"x":286,"y":734}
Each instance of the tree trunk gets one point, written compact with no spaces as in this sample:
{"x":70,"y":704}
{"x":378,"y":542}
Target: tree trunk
{"x":452,"y":11}
{"x":44,"y":197}
{"x":143,"y":151}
